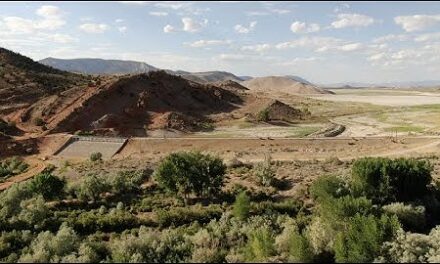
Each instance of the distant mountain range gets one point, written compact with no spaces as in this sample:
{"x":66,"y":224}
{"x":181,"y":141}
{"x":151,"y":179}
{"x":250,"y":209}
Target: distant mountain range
{"x":413,"y":84}
{"x":98,"y":66}
{"x":101,"y":66}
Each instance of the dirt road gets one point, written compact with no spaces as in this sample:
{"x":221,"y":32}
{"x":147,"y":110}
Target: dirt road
{"x":35,"y":166}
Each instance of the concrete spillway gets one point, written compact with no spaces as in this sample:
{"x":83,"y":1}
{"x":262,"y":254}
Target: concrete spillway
{"x":82,"y":147}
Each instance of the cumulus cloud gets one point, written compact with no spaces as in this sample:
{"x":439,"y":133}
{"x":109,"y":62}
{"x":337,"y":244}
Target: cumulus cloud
{"x":417,"y":22}
{"x":352,"y":20}
{"x":191,"y":25}
{"x":168,"y":29}
{"x":205,"y":43}
{"x":51,"y":19}
{"x":257,"y":48}
{"x":158,"y":14}
{"x":303,"y":27}
{"x":245,"y":30}
{"x":94,"y":28}
{"x":350,"y":47}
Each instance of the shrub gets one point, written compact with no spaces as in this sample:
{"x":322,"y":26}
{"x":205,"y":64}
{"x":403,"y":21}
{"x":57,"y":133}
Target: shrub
{"x":168,"y":246}
{"x":412,"y":217}
{"x":289,"y":207}
{"x":96,"y":156}
{"x":385,"y":180}
{"x":363,"y":238}
{"x":185,"y":173}
{"x":338,"y":210}
{"x":178,"y":216}
{"x":328,"y":186}
{"x":127,"y":181}
{"x":92,"y":187}
{"x":38,"y":121}
{"x":48,"y":185}
{"x":241,"y":206}
{"x":92,"y":221}
{"x":263,"y":115}
{"x":412,"y":248}
{"x":51,"y":248}
{"x":260,"y":245}
{"x":264,"y":172}
{"x":299,"y":250}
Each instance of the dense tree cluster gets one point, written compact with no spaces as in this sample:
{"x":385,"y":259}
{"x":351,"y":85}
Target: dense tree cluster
{"x":368,"y":217}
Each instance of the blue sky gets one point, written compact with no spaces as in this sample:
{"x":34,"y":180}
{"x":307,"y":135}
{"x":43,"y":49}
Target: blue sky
{"x":324,"y":42}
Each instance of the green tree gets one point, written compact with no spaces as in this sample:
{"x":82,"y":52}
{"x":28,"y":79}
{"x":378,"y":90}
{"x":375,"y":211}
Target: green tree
{"x":92,"y":187}
{"x":385,"y":180}
{"x":363,"y":238}
{"x":241,"y":206}
{"x":186,"y":173}
{"x":48,"y":185}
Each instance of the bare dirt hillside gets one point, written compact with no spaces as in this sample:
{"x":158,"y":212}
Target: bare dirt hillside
{"x":24,"y":81}
{"x":282,"y":84}
{"x":155,"y":100}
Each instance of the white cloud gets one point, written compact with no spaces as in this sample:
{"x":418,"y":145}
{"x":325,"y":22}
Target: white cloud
{"x":173,"y":5}
{"x":158,"y":14}
{"x":257,"y":13}
{"x":119,"y":20}
{"x":280,"y":11}
{"x":299,"y":61}
{"x":61,"y":38}
{"x":350,"y":47}
{"x":391,"y":37}
{"x":191,"y":25}
{"x":19,"y":25}
{"x":377,"y":56}
{"x":316,"y":42}
{"x":257,"y":48}
{"x":341,"y":8}
{"x":352,"y":20}
{"x":51,"y":19}
{"x":168,"y":29}
{"x":122,"y":29}
{"x":303,"y":27}
{"x":94,"y":28}
{"x":245,"y":30}
{"x":427,"y":37}
{"x":417,"y":22}
{"x":204,"y":43}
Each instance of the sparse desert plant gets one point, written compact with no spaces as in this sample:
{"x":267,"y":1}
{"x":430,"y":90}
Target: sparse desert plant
{"x":263,"y":115}
{"x":39,"y":121}
{"x":242,"y":206}
{"x":96,"y":156}
{"x":260,"y":246}
{"x":264,"y":172}
{"x":412,"y":217}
